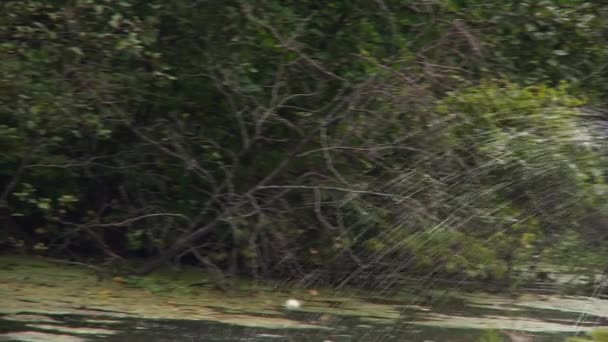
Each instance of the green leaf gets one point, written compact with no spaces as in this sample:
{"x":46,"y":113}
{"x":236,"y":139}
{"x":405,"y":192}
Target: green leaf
{"x":76,"y":50}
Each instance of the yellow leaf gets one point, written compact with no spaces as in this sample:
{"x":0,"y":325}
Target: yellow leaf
{"x":118,"y":280}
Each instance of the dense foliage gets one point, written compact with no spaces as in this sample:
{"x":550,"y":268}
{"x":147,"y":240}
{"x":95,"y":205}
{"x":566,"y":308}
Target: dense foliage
{"x":320,"y":140}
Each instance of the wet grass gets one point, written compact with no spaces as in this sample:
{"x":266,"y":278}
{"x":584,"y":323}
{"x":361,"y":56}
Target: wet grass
{"x":39,"y":298}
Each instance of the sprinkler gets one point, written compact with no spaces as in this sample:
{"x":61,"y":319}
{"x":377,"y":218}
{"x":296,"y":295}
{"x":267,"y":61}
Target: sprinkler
{"x":292,"y":304}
